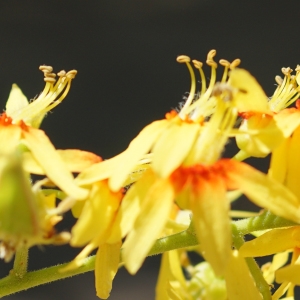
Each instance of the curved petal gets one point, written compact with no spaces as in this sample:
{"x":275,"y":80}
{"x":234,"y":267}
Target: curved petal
{"x":263,"y":190}
{"x":106,"y":267}
{"x":10,"y":136}
{"x":149,"y":224}
{"x":139,"y":146}
{"x":53,"y":165}
{"x":273,"y":241}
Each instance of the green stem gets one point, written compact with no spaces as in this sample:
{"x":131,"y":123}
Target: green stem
{"x":261,"y":284}
{"x":13,"y":283}
{"x":20,"y":262}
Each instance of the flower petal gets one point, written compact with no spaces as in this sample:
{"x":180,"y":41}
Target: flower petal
{"x":173,"y":146}
{"x":10,"y":136}
{"x":149,"y":224}
{"x":250,"y":96}
{"x":106,"y":267}
{"x":53,"y":165}
{"x":16,"y":101}
{"x":139,"y":146}
{"x":289,"y":273}
{"x":239,"y":282}
{"x":273,"y":241}
{"x":211,"y":220}
{"x":264,"y":191}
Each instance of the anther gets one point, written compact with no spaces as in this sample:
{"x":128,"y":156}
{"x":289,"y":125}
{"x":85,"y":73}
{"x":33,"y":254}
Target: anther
{"x":46,"y":69}
{"x":210,"y":59}
{"x":225,"y":63}
{"x":235,"y":63}
{"x":61,"y":73}
{"x":278,"y":79}
{"x":197,"y":64}
{"x":71,"y":74}
{"x":286,"y":71}
{"x":297,"y":68}
{"x":183,"y":59}
{"x":49,"y":79}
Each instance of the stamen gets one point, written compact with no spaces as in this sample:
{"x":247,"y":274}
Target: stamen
{"x":185,"y":59}
{"x":226,"y":64}
{"x":53,"y":94}
{"x":198,"y":65}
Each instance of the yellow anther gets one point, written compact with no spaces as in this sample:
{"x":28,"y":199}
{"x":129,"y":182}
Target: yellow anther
{"x":235,"y":63}
{"x":197,"y":64}
{"x":183,"y":59}
{"x":61,"y":73}
{"x":50,"y":79}
{"x":278,"y":79}
{"x":297,"y":68}
{"x":210,"y":58}
{"x":225,"y":63}
{"x":46,"y":69}
{"x":286,"y":71}
{"x":71,"y":74}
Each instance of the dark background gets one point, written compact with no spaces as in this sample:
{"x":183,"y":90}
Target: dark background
{"x":125,"y":53}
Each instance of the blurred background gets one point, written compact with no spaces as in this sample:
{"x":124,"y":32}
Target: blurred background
{"x":125,"y":53}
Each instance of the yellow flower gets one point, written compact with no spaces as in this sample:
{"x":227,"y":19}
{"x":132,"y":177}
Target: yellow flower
{"x":97,"y":227}
{"x":17,"y":130}
{"x":263,"y":131}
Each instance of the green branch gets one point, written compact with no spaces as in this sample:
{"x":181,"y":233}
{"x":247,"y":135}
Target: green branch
{"x":18,"y":280}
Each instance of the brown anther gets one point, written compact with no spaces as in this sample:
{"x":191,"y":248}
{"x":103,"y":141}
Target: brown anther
{"x":286,"y":71}
{"x":197,"y":64}
{"x":46,"y":69}
{"x":235,"y":63}
{"x":61,"y":73}
{"x":183,"y":59}
{"x":71,"y":74}
{"x":278,"y":79}
{"x":225,"y":63}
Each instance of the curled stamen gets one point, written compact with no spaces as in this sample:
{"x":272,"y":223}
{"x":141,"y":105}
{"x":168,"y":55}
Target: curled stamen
{"x":54,"y":92}
{"x":198,"y":65}
{"x":226,"y":64}
{"x":185,"y":59}
{"x":235,"y":63}
{"x":210,"y":58}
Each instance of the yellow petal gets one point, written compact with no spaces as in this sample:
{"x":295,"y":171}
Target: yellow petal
{"x":106,"y":267}
{"x":99,"y":171}
{"x":75,"y":161}
{"x":250,"y":96}
{"x":131,"y":206}
{"x":273,"y":241}
{"x":140,"y":146}
{"x":264,"y":191}
{"x":148,"y":225}
{"x":97,"y":215}
{"x":239,"y":282}
{"x":289,"y":274}
{"x":9,"y":138}
{"x":53,"y":165}
{"x":288,"y":120}
{"x":263,"y":135}
{"x":293,"y":164}
{"x":16,"y":101}
{"x":211,"y":219}
{"x":173,"y":146}
{"x":278,"y":164}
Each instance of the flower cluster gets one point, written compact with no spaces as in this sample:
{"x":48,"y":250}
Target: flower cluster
{"x":171,"y":188}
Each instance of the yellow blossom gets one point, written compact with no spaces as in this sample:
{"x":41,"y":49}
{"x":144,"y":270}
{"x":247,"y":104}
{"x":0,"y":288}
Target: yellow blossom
{"x":18,"y":129}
